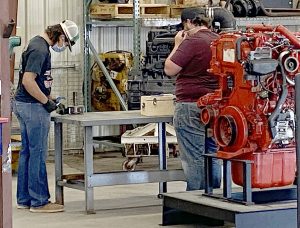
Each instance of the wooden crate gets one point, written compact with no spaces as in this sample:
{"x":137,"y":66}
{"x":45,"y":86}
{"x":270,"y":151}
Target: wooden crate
{"x":175,"y":10}
{"x":108,"y":11}
{"x":155,"y":11}
{"x":192,"y":2}
{"x":147,"y":2}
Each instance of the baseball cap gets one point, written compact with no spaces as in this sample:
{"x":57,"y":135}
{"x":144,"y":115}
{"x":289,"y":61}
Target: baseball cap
{"x":191,"y":13}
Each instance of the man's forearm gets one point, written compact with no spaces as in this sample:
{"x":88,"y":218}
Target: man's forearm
{"x":32,"y":88}
{"x":172,"y":52}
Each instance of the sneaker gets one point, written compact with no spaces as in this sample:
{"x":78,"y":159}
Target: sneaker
{"x":20,"y":206}
{"x":48,"y":208}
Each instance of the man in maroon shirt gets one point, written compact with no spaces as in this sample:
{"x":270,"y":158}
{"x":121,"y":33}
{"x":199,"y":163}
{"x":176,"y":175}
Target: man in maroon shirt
{"x":189,"y":61}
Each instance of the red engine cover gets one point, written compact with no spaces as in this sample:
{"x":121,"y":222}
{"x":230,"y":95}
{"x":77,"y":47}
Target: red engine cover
{"x":252,"y":115}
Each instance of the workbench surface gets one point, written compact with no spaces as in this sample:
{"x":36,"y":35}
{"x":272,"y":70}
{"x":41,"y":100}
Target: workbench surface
{"x":109,"y":118}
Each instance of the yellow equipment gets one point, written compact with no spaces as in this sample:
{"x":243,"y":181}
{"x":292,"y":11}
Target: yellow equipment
{"x":118,"y":64}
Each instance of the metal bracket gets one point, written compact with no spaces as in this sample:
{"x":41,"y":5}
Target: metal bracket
{"x":8,"y":29}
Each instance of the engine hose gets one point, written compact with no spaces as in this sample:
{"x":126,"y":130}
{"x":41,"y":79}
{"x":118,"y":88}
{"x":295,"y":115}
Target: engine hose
{"x":281,"y":100}
{"x":225,"y":18}
{"x":238,"y":43}
{"x":280,"y":28}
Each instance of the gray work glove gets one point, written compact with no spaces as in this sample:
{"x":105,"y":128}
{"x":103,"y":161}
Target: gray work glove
{"x":50,"y":106}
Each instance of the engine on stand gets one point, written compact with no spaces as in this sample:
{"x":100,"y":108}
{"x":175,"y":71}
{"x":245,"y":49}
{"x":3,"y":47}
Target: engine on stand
{"x":252,"y":114}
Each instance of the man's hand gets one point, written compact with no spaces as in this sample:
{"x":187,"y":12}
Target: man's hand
{"x":180,"y":36}
{"x":50,"y":106}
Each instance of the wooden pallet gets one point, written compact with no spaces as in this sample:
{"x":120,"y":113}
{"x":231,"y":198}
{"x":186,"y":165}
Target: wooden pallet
{"x":175,"y":10}
{"x":109,"y":11}
{"x":199,"y":3}
{"x":155,"y":11}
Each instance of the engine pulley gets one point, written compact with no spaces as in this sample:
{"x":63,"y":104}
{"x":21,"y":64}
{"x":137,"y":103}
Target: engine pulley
{"x":291,"y":64}
{"x":230,"y":129}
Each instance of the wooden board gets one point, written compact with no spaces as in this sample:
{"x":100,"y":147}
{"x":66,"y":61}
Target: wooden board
{"x":109,"y":11}
{"x":175,"y":10}
{"x":155,"y":11}
{"x":77,"y":176}
{"x":15,"y":138}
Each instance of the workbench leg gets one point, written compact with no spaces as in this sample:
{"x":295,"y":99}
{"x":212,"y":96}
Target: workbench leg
{"x":162,"y":154}
{"x":58,"y":136}
{"x":88,"y":169}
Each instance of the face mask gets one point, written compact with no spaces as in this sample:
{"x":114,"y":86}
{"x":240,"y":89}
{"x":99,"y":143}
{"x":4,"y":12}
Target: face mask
{"x":56,"y":48}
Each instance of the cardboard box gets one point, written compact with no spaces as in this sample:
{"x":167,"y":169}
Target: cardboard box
{"x":158,"y":105}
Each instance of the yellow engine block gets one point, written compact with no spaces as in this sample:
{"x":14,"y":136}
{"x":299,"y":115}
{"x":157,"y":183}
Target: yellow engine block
{"x":118,"y":64}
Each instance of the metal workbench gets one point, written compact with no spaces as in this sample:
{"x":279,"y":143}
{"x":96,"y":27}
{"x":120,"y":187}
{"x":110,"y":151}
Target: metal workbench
{"x":89,"y":180}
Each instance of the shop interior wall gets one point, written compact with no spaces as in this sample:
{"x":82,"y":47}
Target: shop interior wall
{"x":34,"y":16}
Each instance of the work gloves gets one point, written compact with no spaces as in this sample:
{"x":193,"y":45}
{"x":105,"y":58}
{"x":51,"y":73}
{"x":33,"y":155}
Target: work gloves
{"x":50,"y":106}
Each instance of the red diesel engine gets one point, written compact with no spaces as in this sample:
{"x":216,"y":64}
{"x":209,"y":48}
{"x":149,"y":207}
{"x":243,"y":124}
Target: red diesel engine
{"x":252,"y":114}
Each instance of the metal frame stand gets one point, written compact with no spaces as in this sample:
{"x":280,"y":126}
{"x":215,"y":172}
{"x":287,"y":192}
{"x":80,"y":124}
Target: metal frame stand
{"x":246,"y":208}
{"x":227,"y":187}
{"x":247,"y":196}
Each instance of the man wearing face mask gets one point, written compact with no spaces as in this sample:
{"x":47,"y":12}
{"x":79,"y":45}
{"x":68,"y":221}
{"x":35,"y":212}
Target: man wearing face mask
{"x":32,"y":106}
{"x":189,"y":61}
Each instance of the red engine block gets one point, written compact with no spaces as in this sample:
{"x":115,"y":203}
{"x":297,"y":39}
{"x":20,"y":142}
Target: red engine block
{"x":252,"y":114}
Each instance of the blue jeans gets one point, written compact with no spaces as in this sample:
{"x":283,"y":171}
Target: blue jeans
{"x":193,"y":143}
{"x":32,"y":185}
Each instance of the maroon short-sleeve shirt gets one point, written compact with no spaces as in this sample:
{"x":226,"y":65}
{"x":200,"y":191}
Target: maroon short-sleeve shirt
{"x":194,"y":55}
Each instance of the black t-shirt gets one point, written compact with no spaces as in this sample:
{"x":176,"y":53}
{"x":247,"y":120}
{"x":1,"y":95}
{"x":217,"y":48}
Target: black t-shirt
{"x":36,"y":59}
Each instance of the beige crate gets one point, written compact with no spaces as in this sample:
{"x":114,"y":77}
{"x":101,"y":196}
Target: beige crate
{"x":108,"y":11}
{"x":201,"y":3}
{"x":175,"y":10}
{"x":158,"y":105}
{"x":147,"y":2}
{"x":155,"y":10}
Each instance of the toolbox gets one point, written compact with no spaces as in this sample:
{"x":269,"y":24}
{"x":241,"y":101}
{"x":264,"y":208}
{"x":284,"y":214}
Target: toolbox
{"x":158,"y":105}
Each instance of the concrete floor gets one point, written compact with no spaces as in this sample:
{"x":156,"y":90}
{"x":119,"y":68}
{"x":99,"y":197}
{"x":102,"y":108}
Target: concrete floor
{"x":134,"y":206}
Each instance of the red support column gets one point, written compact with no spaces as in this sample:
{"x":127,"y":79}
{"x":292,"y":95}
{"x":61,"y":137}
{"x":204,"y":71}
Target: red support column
{"x":8,"y":11}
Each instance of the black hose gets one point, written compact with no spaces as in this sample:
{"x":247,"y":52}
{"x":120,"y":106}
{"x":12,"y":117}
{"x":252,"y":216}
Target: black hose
{"x":225,"y":18}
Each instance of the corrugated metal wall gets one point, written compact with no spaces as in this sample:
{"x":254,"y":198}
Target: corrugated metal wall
{"x":110,"y":38}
